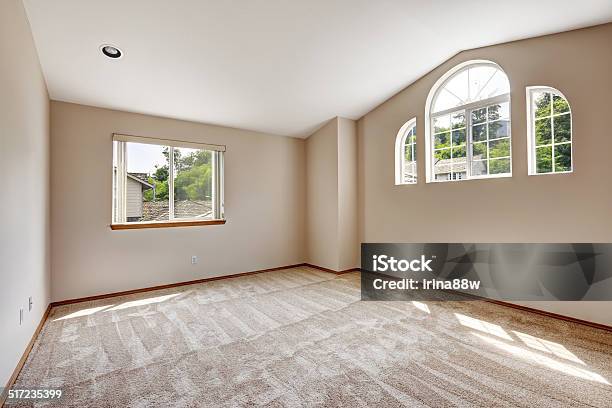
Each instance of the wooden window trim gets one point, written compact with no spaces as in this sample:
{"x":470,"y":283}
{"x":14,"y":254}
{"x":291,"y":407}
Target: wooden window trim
{"x":165,"y":224}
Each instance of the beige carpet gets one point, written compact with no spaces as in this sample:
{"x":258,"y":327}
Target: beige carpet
{"x":301,"y":337}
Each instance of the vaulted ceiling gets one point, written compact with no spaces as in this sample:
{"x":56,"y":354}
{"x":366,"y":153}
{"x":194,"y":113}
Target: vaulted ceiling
{"x":276,"y":66}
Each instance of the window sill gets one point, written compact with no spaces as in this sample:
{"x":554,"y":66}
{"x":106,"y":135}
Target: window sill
{"x":165,"y":224}
{"x":552,"y":173}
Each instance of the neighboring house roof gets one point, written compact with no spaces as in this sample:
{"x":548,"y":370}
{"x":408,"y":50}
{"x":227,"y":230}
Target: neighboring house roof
{"x":444,"y":166}
{"x":141,"y":178}
{"x":410,"y":169}
{"x":158,"y":210}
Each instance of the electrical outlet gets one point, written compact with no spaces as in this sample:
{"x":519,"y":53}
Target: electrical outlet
{"x":194,"y":260}
{"x":20,"y":316}
{"x":30,"y":303}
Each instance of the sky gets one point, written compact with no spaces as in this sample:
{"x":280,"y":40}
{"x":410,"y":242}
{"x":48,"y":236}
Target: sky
{"x":142,"y":158}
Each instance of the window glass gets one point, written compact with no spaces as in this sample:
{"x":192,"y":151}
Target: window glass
{"x":470,"y":125}
{"x":406,"y":157}
{"x":471,"y":84}
{"x":193,"y":183}
{"x":146,"y":193}
{"x":550,"y":135}
{"x":156,"y":183}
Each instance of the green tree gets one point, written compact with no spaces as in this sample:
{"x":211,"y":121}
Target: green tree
{"x":177,"y":157}
{"x":161,"y":173}
{"x":193,"y":177}
{"x":542,"y":105}
{"x":159,"y":179}
{"x":544,"y":159}
{"x":194,"y":183}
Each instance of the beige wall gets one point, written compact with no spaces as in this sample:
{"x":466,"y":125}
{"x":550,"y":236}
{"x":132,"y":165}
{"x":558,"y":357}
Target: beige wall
{"x":24,"y":165}
{"x":552,"y":208}
{"x":264,"y":206}
{"x":348,"y":242}
{"x":322,"y":196}
{"x":331,"y":196}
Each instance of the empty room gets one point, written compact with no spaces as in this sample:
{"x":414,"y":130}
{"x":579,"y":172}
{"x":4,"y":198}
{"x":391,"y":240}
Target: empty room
{"x":342,"y":203}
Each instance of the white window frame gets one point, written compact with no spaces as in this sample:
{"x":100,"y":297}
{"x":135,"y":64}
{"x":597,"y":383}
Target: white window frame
{"x":400,"y":161}
{"x":119,"y":211}
{"x":467,"y":110}
{"x":531,"y":143}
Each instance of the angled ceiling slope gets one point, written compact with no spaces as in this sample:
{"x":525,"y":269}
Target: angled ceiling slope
{"x":275,"y":66}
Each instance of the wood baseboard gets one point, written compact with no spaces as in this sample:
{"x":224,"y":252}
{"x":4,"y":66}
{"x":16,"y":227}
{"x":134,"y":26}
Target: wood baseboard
{"x":549,"y":314}
{"x":331,"y":270}
{"x":525,"y":308}
{"x":24,"y":357}
{"x":170,"y":285}
{"x":193,"y":282}
{"x":535,"y":311}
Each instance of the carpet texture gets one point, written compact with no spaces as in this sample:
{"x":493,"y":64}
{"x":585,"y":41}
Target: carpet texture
{"x":301,"y":337}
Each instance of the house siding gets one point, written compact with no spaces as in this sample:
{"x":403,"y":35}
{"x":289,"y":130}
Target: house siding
{"x":134,"y":198}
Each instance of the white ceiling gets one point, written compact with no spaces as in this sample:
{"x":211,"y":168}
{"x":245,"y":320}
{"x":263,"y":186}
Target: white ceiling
{"x":276,"y":66}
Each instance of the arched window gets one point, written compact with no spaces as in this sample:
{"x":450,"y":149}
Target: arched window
{"x":405,"y":154}
{"x":467,"y":130}
{"x":549,"y":131}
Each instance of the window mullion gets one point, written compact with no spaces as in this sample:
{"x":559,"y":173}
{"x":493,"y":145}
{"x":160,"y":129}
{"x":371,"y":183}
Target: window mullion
{"x":474,"y":105}
{"x":552,"y":131}
{"x":171,"y":183}
{"x":469,"y":141}
{"x":215,"y":185}
{"x":452,"y":145}
{"x":218,"y":186}
{"x":122,"y":178}
{"x":430,"y":153}
{"x":530,"y":133}
{"x":221,"y":185}
{"x":402,"y":159}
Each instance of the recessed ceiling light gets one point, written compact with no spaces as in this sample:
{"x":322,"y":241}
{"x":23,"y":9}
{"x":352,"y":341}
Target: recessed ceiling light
{"x":111,"y":51}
